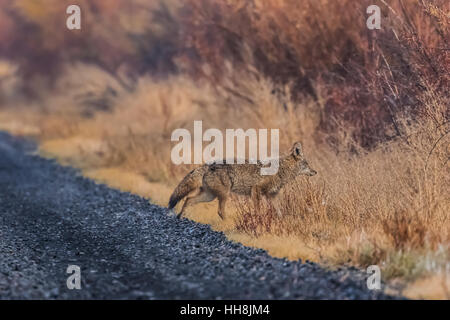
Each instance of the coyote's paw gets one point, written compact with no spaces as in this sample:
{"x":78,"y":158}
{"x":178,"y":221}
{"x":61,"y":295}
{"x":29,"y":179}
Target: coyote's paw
{"x":171,"y":213}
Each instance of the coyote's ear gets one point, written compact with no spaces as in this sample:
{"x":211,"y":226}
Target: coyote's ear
{"x":297,"y":150}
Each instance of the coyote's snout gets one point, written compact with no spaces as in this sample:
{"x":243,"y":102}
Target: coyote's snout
{"x":212,"y":181}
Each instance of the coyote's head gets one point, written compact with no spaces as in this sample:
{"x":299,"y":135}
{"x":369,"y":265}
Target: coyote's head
{"x":302,"y":166}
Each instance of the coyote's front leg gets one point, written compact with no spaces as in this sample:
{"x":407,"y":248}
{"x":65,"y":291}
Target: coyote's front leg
{"x":256,"y":194}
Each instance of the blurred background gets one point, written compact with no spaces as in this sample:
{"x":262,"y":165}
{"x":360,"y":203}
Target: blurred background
{"x":371,"y":107}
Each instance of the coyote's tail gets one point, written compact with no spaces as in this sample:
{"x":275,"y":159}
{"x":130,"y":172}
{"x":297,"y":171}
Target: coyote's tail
{"x":190,"y":182}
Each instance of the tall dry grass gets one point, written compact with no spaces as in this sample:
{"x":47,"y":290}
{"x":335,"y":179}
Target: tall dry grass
{"x":367,"y":77}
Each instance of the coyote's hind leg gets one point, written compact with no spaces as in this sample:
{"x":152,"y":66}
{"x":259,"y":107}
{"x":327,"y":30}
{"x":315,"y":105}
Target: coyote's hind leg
{"x":200,"y":196}
{"x":222,"y":203}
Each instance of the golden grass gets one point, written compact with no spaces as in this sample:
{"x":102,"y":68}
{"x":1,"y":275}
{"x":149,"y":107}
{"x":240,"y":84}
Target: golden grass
{"x":433,"y":287}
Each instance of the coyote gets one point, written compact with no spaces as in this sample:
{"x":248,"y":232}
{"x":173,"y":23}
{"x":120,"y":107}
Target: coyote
{"x":211,"y":181}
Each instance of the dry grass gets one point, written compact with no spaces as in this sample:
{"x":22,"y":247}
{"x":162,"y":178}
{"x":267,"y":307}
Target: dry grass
{"x":325,"y":50}
{"x":373,"y":115}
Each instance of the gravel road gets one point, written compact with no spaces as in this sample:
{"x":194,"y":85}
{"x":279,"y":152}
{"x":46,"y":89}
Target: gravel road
{"x":127,"y":248}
